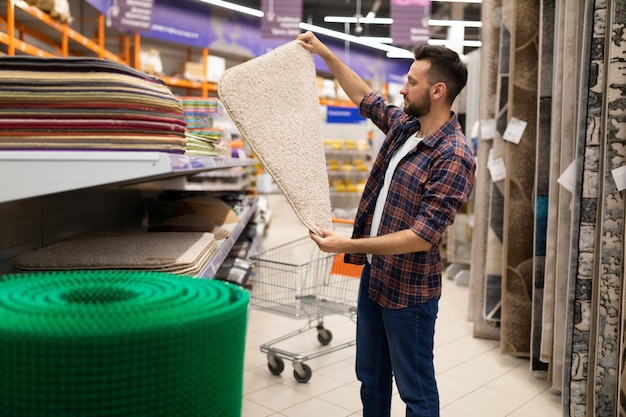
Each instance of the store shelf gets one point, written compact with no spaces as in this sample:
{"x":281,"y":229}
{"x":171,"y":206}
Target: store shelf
{"x":227,"y":244}
{"x":60,"y":39}
{"x":25,"y":174}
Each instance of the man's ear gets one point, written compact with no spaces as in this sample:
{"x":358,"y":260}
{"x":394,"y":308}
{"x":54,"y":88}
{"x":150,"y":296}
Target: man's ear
{"x":439,"y":90}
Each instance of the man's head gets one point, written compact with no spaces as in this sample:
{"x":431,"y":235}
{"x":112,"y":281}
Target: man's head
{"x":445,"y":67}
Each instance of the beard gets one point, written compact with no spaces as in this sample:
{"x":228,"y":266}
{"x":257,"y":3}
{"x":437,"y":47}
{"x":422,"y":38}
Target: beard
{"x":418,"y":108}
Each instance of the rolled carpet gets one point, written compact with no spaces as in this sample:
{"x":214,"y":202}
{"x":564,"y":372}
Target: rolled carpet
{"x":120,"y":343}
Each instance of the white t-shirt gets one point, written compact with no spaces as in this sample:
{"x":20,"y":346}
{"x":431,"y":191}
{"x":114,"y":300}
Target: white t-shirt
{"x":409,"y":145}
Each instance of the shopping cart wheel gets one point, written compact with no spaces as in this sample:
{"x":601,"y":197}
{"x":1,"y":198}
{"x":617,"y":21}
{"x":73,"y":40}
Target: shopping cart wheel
{"x":275,"y":364}
{"x":302,"y":372}
{"x":324,"y":336}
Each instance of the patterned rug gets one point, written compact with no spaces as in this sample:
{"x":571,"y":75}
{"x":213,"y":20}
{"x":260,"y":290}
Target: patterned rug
{"x":519,"y":183}
{"x":483,"y":328}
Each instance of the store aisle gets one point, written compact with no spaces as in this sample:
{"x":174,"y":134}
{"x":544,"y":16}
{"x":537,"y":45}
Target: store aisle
{"x":474,"y":379}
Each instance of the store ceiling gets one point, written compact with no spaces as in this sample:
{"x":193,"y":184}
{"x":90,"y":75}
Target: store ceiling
{"x":313,"y":12}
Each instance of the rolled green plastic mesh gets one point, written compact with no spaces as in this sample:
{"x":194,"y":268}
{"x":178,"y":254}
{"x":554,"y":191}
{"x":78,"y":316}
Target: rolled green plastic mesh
{"x":120,"y":343}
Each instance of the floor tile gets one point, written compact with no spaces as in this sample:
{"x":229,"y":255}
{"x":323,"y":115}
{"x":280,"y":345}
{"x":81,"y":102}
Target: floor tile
{"x":465,"y":408}
{"x":277,"y":397}
{"x":316,"y":407}
{"x":496,"y":399}
{"x":345,"y":396}
{"x":252,"y":409}
{"x":535,"y":408}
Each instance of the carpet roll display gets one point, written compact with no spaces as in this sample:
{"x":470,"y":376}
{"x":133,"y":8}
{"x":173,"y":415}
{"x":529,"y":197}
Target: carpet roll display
{"x":120,"y":343}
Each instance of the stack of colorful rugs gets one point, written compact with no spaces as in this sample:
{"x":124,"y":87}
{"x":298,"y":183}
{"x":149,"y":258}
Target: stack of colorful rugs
{"x":86,"y":104}
{"x":202,"y":134}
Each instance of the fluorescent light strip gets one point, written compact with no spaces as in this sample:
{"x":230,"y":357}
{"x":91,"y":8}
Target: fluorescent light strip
{"x":445,"y":42}
{"x":398,"y":52}
{"x":465,"y":23}
{"x":379,"y":39}
{"x":348,"y":19}
{"x":389,"y":21}
{"x":235,"y":7}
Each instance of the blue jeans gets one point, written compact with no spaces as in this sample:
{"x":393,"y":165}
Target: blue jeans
{"x":396,"y":343}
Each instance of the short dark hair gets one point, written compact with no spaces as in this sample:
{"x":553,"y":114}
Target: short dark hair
{"x":445,"y":66}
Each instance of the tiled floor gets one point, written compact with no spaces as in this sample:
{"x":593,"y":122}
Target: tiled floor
{"x":474,"y":379}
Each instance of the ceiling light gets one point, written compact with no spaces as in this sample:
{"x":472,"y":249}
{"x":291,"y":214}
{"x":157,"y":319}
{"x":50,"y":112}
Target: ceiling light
{"x":379,"y":39}
{"x":354,"y":19}
{"x":389,"y":21}
{"x":235,"y":7}
{"x":446,"y":42}
{"x":465,"y":23}
{"x":398,"y":52}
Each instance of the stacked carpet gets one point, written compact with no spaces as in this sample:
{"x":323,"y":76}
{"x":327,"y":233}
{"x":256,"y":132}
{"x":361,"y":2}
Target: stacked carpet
{"x":273,"y":100}
{"x":202,"y":134}
{"x":177,"y":253}
{"x":86,"y":104}
{"x":207,"y":206}
{"x":120,"y":343}
{"x":190,"y":223}
{"x":202,"y":144}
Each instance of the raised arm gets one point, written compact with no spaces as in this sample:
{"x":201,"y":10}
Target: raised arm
{"x":351,"y":83}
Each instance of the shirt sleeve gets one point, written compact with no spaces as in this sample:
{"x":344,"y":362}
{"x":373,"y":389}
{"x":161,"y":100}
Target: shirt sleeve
{"x":380,"y":112}
{"x":447,"y":190}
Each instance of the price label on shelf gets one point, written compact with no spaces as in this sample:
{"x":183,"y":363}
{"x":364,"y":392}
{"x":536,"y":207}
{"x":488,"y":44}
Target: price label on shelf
{"x":514,"y":130}
{"x":568,"y":177}
{"x":497,"y":170}
{"x":487,"y":128}
{"x":619,"y":176}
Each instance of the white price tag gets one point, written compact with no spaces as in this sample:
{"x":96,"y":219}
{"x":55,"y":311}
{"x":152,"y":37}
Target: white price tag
{"x":568,"y":177}
{"x":487,"y":128}
{"x":497,"y":170}
{"x":619,"y":176}
{"x":514,"y":130}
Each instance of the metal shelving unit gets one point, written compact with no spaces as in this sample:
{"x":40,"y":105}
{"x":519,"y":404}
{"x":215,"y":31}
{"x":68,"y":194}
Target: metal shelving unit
{"x":26,"y":174}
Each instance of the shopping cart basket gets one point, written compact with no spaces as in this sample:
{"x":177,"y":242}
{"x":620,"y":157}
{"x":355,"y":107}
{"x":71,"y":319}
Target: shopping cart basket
{"x":299,"y":281}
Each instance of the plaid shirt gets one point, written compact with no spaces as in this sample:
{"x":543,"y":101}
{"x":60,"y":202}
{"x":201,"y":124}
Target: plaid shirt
{"x":430,"y":184}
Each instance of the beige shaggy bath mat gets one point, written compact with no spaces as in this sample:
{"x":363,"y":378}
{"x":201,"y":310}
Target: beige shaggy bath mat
{"x":273,"y":101}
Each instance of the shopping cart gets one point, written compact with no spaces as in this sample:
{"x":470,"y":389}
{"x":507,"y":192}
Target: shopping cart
{"x":299,"y":281}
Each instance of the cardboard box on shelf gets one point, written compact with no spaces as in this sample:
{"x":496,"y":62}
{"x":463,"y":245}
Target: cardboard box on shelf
{"x":191,"y":71}
{"x":216,"y":65}
{"x":150,"y":61}
{"x":57,"y":9}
